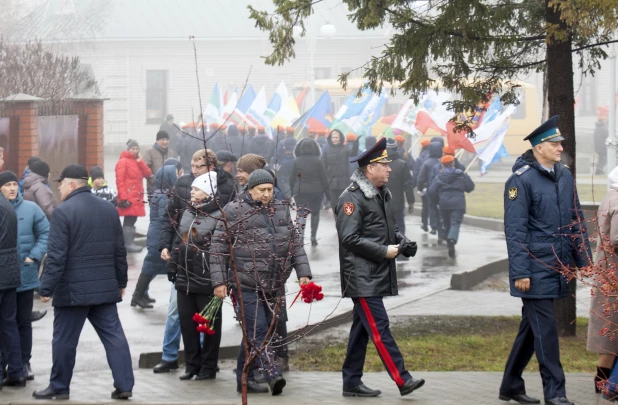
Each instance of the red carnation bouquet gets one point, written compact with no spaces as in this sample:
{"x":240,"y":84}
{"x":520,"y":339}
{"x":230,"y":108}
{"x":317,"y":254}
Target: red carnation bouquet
{"x":206,"y":319}
{"x":309,"y":292}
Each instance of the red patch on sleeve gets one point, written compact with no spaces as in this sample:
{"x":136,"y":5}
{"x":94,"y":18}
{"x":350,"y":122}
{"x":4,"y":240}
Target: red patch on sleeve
{"x":348,"y":208}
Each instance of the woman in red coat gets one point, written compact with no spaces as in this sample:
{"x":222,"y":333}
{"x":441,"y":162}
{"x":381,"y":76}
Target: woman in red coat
{"x":131,"y":171}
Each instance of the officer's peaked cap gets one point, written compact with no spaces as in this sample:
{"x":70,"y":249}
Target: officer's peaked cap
{"x":547,"y":132}
{"x":375,"y":154}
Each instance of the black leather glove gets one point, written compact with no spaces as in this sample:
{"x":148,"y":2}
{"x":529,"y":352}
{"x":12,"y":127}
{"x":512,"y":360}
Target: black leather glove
{"x":124,"y":204}
{"x":408,"y":249}
{"x":171,"y":276}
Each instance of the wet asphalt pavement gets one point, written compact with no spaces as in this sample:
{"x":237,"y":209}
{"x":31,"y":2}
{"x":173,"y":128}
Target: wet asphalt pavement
{"x":427,"y":273}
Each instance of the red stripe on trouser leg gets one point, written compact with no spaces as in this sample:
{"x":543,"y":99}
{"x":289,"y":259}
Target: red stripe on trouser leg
{"x":382,"y":350}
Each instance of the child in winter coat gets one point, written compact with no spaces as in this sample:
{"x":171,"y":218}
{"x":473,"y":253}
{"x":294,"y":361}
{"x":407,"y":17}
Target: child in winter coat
{"x":99,"y":187}
{"x":447,"y":190}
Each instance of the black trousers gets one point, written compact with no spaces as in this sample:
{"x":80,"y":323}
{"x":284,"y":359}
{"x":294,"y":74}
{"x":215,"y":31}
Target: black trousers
{"x":258,"y":317}
{"x":25,"y":300}
{"x":129,"y":221}
{"x":400,"y":219}
{"x":196,"y":355}
{"x":537,"y":334}
{"x":425,"y":210}
{"x":312,"y":202}
{"x":68,"y":325}
{"x":9,"y":334}
{"x":24,"y":326}
{"x":370,"y":320}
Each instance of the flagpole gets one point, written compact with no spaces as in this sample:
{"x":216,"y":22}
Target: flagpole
{"x":470,"y":165}
{"x":459,"y":154}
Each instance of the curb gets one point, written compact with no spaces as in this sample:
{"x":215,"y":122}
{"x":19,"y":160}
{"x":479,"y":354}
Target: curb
{"x":466,"y":280}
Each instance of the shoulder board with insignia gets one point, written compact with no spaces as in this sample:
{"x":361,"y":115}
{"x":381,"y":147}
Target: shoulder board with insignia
{"x":522,"y":170}
{"x":353,"y":186}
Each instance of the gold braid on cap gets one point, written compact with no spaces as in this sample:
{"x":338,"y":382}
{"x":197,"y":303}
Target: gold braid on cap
{"x":552,"y":136}
{"x":384,"y":155}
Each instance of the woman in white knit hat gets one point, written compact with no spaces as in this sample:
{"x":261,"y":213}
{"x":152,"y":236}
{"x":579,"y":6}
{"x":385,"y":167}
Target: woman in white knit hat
{"x":188,"y":269}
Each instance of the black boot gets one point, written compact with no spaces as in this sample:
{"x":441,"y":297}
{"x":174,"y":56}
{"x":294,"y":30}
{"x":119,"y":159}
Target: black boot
{"x":140,"y":288}
{"x":165,"y":366}
{"x":149,"y":298}
{"x":451,"y":248}
{"x":129,"y":240}
{"x":37,"y":315}
{"x":28,"y":372}
{"x":602,"y":376}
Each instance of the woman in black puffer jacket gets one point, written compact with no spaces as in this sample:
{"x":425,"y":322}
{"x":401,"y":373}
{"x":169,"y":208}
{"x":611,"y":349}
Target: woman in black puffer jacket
{"x":308,"y":182}
{"x":188,"y":269}
{"x":336,"y":162}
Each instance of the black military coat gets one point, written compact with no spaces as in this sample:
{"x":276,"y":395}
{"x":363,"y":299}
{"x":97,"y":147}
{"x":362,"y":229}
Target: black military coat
{"x":366,"y":226}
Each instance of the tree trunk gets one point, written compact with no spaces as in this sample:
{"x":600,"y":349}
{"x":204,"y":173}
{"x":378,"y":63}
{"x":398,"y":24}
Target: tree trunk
{"x":562,"y":103}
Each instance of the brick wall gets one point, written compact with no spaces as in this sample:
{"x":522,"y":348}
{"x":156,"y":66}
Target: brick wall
{"x":24,"y":133}
{"x":25,"y":139}
{"x":90,"y":132}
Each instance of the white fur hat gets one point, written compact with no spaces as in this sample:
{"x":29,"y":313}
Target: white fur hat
{"x":207,"y":183}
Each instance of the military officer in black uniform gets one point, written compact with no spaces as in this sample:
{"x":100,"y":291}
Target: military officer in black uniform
{"x":545,"y":232}
{"x":369,"y":242}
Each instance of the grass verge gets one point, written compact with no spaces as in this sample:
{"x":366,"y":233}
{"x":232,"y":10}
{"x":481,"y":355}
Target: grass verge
{"x":451,"y":344}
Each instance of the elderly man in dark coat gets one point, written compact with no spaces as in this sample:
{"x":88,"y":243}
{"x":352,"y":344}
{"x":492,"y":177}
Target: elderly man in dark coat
{"x":267,"y":246}
{"x":369,"y":241}
{"x":10,"y":280}
{"x":86,"y":273}
{"x":545,"y":233}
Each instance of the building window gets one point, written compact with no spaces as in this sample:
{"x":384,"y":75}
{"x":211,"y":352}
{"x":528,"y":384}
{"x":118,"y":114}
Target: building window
{"x":322,"y":73}
{"x":156,"y":96}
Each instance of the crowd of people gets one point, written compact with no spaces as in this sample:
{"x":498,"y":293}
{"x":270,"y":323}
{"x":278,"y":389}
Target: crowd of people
{"x":233,"y":225}
{"x":187,"y":189}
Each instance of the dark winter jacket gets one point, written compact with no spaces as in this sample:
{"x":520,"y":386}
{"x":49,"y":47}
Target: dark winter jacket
{"x":36,"y":189}
{"x":86,"y":259}
{"x":400,"y":180}
{"x":418,"y":163}
{"x":263,"y":146}
{"x":448,"y":188}
{"x":435,"y":153}
{"x":308,"y":175}
{"x":366,"y":226}
{"x":284,"y":158}
{"x":189,"y":145}
{"x":266,"y":243}
{"x":33,"y":231}
{"x":336,"y":162}
{"x":217,"y":142}
{"x":436,"y":169}
{"x":130,"y":175}
{"x":163,"y":184}
{"x":236,"y":144}
{"x":181,"y":196}
{"x":544,"y":226}
{"x":190,"y":253}
{"x":10,"y":277}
